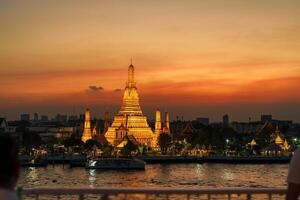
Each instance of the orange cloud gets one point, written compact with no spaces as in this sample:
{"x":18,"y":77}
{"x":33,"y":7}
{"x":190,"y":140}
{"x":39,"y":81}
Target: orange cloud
{"x":218,"y":91}
{"x":174,"y":93}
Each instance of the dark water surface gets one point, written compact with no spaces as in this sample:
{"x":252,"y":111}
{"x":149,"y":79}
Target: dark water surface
{"x":159,"y":175}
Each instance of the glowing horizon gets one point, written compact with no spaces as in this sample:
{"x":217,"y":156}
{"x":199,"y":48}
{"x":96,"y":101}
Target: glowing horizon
{"x":186,"y":54}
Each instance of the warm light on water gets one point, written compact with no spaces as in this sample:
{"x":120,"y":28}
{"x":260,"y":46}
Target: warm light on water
{"x":158,"y":175}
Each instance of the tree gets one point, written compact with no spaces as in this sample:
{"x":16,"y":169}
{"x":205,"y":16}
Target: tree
{"x":72,"y":141}
{"x":30,"y":140}
{"x":129,"y":148}
{"x":107,"y":150}
{"x":232,"y":140}
{"x":178,"y":146}
{"x":208,"y":136}
{"x":164,"y":142}
{"x":89,"y":144}
{"x":142,"y":149}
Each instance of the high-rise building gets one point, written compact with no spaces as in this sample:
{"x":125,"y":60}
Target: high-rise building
{"x":44,"y":118}
{"x":25,"y":117}
{"x":36,"y":117}
{"x":61,"y":118}
{"x":73,"y":118}
{"x":225,"y":120}
{"x":87,"y":131}
{"x":130,"y":119}
{"x":203,"y":120}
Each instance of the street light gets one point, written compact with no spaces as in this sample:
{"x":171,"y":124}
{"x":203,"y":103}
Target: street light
{"x":295,"y":139}
{"x":227,"y":147}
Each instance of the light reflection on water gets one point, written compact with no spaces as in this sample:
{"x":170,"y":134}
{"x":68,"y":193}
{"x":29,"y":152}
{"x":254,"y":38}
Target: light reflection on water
{"x":158,"y":175}
{"x":92,"y":177}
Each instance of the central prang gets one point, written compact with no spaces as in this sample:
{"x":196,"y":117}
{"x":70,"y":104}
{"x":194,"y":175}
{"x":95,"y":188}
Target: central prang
{"x":130,"y":121}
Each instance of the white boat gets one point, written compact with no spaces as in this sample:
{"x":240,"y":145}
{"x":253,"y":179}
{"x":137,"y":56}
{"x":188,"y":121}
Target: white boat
{"x":116,"y":164}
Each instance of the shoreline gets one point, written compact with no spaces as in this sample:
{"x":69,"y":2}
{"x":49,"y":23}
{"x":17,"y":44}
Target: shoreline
{"x":217,"y":159}
{"x":169,"y":160}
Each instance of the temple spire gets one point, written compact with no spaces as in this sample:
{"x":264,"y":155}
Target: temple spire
{"x":87,"y":132}
{"x":131,"y":82}
{"x":157,"y":130}
{"x":157,"y":121}
{"x":166,"y":128}
{"x":130,"y":120}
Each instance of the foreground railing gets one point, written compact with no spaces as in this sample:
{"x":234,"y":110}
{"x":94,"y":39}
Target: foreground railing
{"x":163,"y":193}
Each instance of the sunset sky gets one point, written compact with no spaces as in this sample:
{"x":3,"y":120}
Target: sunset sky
{"x":192,"y":58}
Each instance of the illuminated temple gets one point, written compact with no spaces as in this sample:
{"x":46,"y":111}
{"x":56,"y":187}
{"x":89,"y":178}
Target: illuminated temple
{"x":87,"y":132}
{"x":130,"y":121}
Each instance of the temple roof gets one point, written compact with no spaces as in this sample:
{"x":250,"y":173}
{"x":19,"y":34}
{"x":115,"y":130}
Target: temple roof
{"x":125,"y":140}
{"x":253,"y":142}
{"x":2,"y":120}
{"x":278,"y":140}
{"x":286,"y":145}
{"x":188,"y":129}
{"x":266,"y":129}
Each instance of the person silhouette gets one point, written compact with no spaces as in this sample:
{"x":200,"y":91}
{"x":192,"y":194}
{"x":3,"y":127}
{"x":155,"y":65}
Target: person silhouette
{"x":294,"y":177}
{"x":9,"y":168}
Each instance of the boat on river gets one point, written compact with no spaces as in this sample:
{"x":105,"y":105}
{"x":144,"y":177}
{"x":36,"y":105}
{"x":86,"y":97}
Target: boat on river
{"x":116,"y":164}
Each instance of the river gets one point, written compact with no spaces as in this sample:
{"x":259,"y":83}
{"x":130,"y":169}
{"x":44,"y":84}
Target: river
{"x":159,"y":175}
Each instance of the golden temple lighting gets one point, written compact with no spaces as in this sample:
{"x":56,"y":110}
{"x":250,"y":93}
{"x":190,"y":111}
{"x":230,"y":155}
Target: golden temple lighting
{"x":87,"y":132}
{"x":158,"y":122}
{"x":278,"y":139}
{"x":166,"y":128}
{"x":253,"y":142}
{"x":158,"y":129}
{"x":130,"y":120}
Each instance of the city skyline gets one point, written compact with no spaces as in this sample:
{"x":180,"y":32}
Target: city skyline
{"x":67,"y":117}
{"x":193,"y":59}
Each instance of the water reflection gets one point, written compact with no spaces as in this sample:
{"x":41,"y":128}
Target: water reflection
{"x":157,"y":175}
{"x":92,"y":177}
{"x":32,"y":174}
{"x":227,"y":175}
